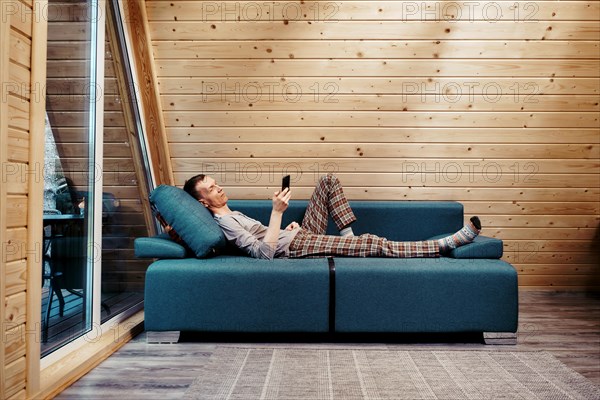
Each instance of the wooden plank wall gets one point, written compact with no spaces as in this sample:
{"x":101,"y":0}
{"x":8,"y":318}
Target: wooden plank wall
{"x":20,"y":173}
{"x":14,"y":205}
{"x":67,"y":106}
{"x":493,"y":104}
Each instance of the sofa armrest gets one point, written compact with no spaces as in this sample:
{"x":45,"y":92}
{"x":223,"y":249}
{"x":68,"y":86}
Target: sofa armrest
{"x":160,"y":246}
{"x":482,"y":247}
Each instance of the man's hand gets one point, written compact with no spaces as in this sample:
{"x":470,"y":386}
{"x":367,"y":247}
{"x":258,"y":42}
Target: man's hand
{"x":292,"y":226}
{"x":281,"y":200}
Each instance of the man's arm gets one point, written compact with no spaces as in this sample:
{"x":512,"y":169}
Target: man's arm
{"x":280,"y":204}
{"x":237,"y":228}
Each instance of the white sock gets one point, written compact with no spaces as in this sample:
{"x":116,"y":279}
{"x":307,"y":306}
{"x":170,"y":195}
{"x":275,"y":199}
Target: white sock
{"x":347,"y":231}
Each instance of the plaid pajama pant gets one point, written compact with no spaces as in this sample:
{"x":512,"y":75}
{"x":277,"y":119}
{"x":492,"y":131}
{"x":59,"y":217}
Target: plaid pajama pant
{"x":329,"y":199}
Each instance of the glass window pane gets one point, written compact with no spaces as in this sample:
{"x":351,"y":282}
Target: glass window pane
{"x":125,"y":210}
{"x":67,"y":269}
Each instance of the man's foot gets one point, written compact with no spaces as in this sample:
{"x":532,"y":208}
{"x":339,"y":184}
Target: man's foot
{"x":465,"y":236}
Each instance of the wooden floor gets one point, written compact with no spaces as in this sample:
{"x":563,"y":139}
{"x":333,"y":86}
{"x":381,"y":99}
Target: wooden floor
{"x":565,"y":324}
{"x":62,"y":330}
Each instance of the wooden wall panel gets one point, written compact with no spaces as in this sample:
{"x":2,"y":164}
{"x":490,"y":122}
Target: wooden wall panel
{"x":4,"y":77}
{"x":403,"y":100}
{"x":22,"y":73}
{"x":143,"y":66}
{"x":374,"y":49}
{"x":377,"y":30}
{"x":373,"y":11}
{"x":238,"y":88}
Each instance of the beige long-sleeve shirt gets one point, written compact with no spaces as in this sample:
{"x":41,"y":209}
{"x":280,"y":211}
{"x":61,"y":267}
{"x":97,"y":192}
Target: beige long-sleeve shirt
{"x":247,"y":234}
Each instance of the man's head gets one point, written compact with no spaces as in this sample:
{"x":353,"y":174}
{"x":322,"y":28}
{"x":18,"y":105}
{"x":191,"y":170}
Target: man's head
{"x":204,"y":189}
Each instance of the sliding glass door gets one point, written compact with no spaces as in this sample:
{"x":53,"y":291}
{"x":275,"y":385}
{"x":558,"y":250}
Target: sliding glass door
{"x":96,"y":178}
{"x":73,"y":166}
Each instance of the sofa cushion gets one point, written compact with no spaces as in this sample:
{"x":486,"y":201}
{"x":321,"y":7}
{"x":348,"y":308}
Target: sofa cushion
{"x":395,"y":220}
{"x":192,"y":221}
{"x":481,"y":247}
{"x":160,"y":246}
{"x":406,"y":220}
{"x":425,"y":295}
{"x":237,"y":294}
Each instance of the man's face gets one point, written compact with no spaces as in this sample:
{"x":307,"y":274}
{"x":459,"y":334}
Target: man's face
{"x":213,"y":195}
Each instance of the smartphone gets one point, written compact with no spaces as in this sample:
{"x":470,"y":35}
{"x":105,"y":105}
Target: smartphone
{"x":285,"y":182}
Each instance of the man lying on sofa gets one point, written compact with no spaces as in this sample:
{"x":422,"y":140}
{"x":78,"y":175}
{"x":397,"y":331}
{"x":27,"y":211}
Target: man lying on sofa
{"x":309,"y":239}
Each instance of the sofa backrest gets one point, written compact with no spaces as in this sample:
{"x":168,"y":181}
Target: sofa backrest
{"x":397,"y":220}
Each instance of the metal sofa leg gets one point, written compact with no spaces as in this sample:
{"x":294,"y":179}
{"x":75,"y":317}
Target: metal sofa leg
{"x":509,"y":338}
{"x":166,"y":337}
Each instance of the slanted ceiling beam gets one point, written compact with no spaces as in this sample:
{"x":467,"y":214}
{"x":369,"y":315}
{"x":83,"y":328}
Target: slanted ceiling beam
{"x":136,"y":21}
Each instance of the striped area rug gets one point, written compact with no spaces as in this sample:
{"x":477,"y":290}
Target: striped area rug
{"x":347,"y":374}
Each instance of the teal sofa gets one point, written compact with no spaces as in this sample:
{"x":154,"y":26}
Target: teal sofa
{"x":471,"y":290}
